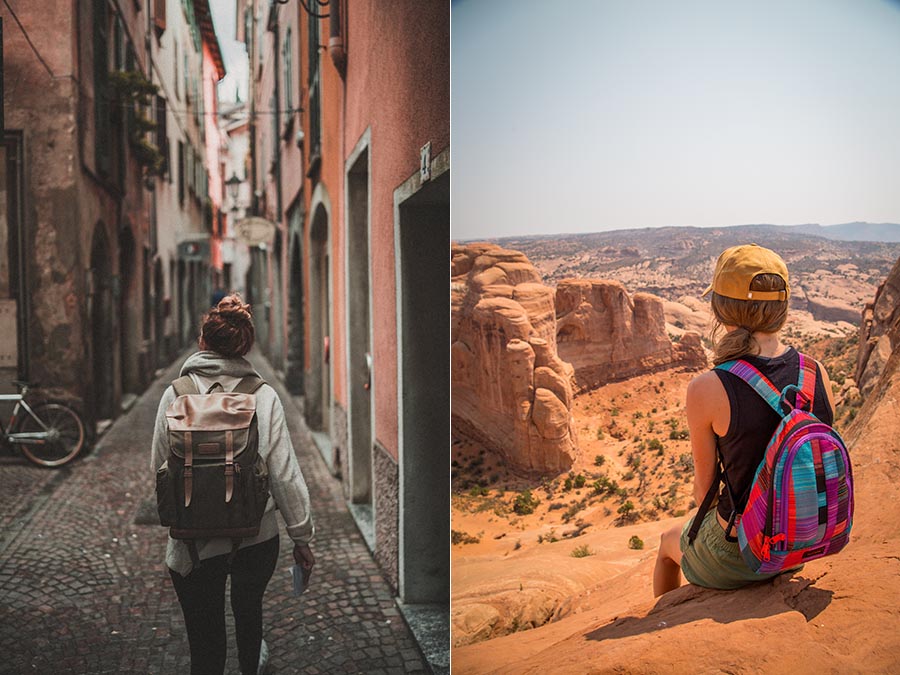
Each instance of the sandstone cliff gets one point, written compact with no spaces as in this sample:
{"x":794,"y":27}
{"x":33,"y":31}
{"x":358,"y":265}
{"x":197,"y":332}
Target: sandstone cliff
{"x":608,"y":335}
{"x":879,"y":332}
{"x":838,"y":614}
{"x":510,"y":390}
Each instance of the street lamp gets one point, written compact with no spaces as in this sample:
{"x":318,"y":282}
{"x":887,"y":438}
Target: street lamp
{"x":234,"y":185}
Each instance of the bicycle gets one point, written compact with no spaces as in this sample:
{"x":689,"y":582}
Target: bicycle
{"x":50,"y":435}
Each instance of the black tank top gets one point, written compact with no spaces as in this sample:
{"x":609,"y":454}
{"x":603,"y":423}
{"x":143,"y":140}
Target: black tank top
{"x":753,"y":422}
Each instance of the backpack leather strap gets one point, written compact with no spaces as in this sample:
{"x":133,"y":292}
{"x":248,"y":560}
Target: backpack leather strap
{"x":184,"y":385}
{"x":188,"y":468}
{"x":248,"y":384}
{"x":229,"y":465}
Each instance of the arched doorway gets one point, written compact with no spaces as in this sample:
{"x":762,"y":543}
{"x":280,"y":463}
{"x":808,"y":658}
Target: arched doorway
{"x":128,"y":313}
{"x":360,"y":383}
{"x":294,"y":370}
{"x":159,"y":319}
{"x":318,"y":394}
{"x":276,"y":355}
{"x":102,"y":334}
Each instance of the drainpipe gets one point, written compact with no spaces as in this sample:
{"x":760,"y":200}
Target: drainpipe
{"x":335,"y":41}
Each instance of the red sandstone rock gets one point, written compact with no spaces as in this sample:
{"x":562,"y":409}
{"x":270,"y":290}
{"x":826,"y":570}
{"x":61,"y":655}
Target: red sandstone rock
{"x":838,"y":614}
{"x":608,"y":335}
{"x":879,"y":332}
{"x":510,"y":390}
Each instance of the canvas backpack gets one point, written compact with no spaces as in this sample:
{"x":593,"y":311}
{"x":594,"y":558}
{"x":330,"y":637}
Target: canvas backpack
{"x":800,"y":503}
{"x":214,"y":482}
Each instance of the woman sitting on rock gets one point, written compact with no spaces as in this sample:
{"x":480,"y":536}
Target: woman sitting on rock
{"x":750,"y":294}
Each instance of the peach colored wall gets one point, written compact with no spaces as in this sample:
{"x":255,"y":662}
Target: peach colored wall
{"x":211,"y":147}
{"x":331,"y":175}
{"x":398,"y":83}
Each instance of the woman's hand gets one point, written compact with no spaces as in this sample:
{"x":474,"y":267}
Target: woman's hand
{"x":304,"y":557}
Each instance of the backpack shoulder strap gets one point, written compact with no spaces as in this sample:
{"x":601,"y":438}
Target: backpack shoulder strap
{"x":807,"y":381}
{"x":184,"y":385}
{"x":760,"y":383}
{"x":248,"y":384}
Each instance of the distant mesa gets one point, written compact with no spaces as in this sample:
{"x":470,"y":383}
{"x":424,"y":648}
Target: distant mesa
{"x":608,"y":335}
{"x":510,"y":390}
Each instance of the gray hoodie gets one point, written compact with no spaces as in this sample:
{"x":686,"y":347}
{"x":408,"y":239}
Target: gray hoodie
{"x":288,"y":491}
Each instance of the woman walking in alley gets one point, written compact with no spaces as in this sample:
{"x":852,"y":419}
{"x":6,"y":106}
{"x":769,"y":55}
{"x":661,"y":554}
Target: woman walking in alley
{"x":197,"y":468}
{"x":731,"y":423}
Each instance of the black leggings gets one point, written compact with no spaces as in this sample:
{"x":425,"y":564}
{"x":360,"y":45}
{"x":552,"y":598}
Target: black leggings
{"x":202,"y":597}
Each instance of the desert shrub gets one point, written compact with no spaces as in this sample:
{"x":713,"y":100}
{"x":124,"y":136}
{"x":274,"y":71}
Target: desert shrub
{"x":599,"y":434}
{"x":457,"y":537}
{"x":636,"y":543}
{"x":626,"y":509}
{"x":628,"y":475}
{"x":556,"y":506}
{"x":655,"y":444}
{"x":579,"y":481}
{"x":634,"y":460}
{"x":567,"y":484}
{"x":525,"y":503}
{"x":680,"y":513}
{"x":686,"y":461}
{"x":638,"y":415}
{"x":599,"y":460}
{"x":478,"y":491}
{"x":651,"y":425}
{"x":679,"y":435}
{"x":518,"y":545}
{"x":581,"y":551}
{"x":614,"y":412}
{"x":494,"y":478}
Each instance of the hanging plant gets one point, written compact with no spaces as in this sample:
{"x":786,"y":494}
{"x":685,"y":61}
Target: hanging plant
{"x":130,"y":88}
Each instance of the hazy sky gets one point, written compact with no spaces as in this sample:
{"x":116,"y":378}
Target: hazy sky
{"x":234,"y":53}
{"x":591,"y":115}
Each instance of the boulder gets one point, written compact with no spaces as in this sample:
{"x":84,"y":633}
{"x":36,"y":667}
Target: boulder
{"x":879,"y":332}
{"x":608,"y":335}
{"x":510,"y":390}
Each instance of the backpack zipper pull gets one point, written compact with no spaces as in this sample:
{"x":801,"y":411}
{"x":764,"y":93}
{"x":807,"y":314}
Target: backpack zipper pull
{"x":767,"y":545}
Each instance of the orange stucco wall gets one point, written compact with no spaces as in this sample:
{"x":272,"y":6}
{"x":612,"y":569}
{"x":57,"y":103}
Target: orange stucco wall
{"x":398,"y":85}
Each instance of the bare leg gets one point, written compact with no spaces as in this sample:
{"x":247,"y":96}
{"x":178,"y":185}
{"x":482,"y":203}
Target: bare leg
{"x":667,"y":573}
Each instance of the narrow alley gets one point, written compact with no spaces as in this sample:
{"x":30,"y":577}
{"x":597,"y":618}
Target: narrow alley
{"x":83,"y":586}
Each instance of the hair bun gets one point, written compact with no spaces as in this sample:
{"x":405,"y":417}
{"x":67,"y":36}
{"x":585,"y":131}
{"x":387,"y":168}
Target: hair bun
{"x":232,"y":306}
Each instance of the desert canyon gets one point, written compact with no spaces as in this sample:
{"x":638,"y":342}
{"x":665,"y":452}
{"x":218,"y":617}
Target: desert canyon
{"x":571,"y":455}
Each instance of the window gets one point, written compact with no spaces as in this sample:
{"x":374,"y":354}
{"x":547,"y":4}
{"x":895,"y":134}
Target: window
{"x":159,"y":16}
{"x":102,"y":126}
{"x":315,"y":148}
{"x":288,"y":57}
{"x":181,"y":173}
{"x":162,"y":135}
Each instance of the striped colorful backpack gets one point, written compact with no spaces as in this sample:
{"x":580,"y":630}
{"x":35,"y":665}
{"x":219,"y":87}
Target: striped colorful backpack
{"x":800,"y":505}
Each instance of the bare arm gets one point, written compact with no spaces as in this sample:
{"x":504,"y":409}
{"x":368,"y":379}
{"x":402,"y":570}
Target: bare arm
{"x":705,"y":396}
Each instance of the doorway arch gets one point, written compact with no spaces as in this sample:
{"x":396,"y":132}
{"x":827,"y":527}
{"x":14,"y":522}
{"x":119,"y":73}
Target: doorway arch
{"x":102,"y":332}
{"x":318,"y":393}
{"x":296,"y":342}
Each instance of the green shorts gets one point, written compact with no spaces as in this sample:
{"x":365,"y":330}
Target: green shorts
{"x":712,"y":561}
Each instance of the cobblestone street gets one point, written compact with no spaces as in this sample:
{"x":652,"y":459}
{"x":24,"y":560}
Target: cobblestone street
{"x":83,"y":588}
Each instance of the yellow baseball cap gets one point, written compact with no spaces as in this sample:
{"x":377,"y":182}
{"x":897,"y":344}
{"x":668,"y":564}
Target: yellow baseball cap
{"x":738,"y":266}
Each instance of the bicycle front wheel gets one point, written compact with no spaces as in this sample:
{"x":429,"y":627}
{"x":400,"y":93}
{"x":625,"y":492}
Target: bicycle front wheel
{"x":65,"y":434}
